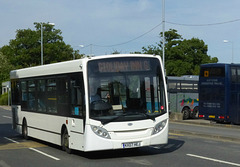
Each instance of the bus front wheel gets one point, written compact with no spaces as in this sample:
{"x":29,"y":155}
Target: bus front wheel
{"x":65,"y":142}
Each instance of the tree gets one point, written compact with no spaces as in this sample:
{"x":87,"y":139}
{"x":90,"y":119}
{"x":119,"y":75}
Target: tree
{"x":182,"y":56}
{"x":5,"y":68}
{"x":116,"y":52}
{"x":25,"y":50}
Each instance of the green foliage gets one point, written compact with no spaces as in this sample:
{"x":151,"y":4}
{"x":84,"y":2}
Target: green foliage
{"x":25,"y":50}
{"x":5,"y":68}
{"x":182,"y":56}
{"x":4,"y":99}
{"x":116,"y":52}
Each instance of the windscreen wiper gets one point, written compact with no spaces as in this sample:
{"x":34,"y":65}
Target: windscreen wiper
{"x":148,"y":116}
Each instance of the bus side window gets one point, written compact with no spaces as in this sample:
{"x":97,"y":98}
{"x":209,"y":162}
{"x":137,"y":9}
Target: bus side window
{"x":62,"y":96}
{"x":24,"y":96}
{"x":51,"y":95}
{"x":41,"y":100}
{"x":77,"y":97}
{"x":15,"y":87}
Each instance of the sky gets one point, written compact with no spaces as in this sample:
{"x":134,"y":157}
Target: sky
{"x":105,"y":26}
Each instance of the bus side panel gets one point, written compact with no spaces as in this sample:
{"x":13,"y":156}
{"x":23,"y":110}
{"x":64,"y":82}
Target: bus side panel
{"x":44,"y":126}
{"x":189,"y":100}
{"x":173,"y":103}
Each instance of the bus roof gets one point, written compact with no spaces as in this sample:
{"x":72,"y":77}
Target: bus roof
{"x":184,"y":77}
{"x":49,"y":69}
{"x":219,"y":64}
{"x":64,"y":67}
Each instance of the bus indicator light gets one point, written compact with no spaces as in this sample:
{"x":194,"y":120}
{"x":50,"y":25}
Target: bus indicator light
{"x":201,"y":116}
{"x":206,"y":73}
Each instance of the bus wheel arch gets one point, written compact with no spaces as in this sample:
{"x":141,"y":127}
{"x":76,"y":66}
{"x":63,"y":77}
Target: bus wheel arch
{"x":24,"y":129}
{"x":65,"y":140}
{"x":186,"y":113}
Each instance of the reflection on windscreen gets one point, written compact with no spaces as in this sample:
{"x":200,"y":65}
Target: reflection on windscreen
{"x":124,"y":96}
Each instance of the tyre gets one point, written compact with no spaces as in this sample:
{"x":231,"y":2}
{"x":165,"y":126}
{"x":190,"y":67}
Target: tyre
{"x":25,"y":130}
{"x":195,"y":113}
{"x":65,"y":142}
{"x":186,"y":113}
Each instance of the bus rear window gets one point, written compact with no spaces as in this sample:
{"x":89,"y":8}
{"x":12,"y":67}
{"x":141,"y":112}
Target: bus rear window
{"x":212,"y":72}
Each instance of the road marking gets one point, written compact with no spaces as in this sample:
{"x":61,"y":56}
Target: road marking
{"x":4,"y":164}
{"x":17,"y":145}
{"x":50,"y":156}
{"x":212,"y":159}
{"x":11,"y":140}
{"x":23,"y":145}
{"x":29,"y":145}
{"x":175,"y":134}
{"x":7,"y":117}
{"x":139,"y":162}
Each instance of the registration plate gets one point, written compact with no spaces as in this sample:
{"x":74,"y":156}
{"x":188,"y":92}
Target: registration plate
{"x":131,"y":144}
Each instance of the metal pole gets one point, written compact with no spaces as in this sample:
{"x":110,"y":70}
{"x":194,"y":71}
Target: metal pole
{"x":232,"y":52}
{"x":8,"y":95}
{"x":41,"y":43}
{"x":163,"y":31}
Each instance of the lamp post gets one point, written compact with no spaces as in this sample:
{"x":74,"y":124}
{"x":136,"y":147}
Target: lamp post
{"x":163,"y":33}
{"x":227,"y":41}
{"x":42,"y":40}
{"x":8,"y":89}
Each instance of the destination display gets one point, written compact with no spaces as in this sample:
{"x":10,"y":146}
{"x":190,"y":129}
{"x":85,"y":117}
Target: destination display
{"x":212,"y":72}
{"x":124,"y":66}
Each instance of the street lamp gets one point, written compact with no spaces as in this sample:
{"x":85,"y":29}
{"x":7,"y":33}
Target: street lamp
{"x":42,"y":40}
{"x":227,"y":41}
{"x":163,"y":33}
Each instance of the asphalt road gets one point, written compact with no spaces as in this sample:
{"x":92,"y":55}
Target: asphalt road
{"x":208,"y":129}
{"x":183,"y":149}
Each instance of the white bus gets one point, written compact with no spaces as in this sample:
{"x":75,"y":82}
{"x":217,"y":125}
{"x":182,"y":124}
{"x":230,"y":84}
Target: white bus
{"x":96,"y":103}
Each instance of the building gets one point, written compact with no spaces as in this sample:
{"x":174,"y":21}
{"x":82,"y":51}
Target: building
{"x":5,"y":87}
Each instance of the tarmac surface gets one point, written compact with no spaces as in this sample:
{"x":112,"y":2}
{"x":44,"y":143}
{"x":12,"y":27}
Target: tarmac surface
{"x":206,"y":128}
{"x":198,"y":127}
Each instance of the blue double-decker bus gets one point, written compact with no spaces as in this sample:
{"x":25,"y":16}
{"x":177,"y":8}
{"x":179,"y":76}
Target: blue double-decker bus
{"x":219,"y":92}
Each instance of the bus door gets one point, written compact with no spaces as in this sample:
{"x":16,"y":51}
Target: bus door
{"x":152,"y":94}
{"x":76,"y":121}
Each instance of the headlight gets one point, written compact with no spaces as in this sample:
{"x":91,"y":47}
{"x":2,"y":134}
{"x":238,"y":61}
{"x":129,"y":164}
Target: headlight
{"x":159,"y":127}
{"x":100,"y":132}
